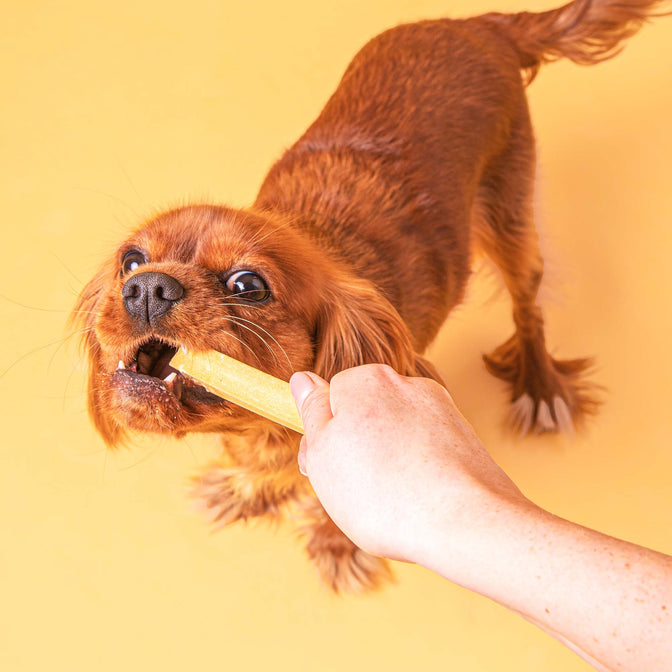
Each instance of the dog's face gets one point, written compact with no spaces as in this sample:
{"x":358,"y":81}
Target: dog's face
{"x":212,"y":278}
{"x":204,"y":278}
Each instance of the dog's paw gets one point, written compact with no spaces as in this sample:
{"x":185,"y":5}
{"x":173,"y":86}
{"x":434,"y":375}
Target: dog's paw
{"x":346,"y":568}
{"x":342,"y":566}
{"x":548,"y":395}
{"x":528,"y":417}
{"x":227,"y":495}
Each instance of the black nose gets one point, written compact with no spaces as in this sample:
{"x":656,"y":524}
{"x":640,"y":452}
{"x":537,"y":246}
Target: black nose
{"x":150,"y":295}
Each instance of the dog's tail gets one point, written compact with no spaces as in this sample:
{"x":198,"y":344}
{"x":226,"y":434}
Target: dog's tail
{"x":585,"y":31}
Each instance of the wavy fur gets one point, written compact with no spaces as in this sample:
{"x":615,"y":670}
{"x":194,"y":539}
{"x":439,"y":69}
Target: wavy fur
{"x":364,"y":232}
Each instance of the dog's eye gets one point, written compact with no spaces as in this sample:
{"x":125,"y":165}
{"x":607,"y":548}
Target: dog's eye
{"x":248,"y":286}
{"x":132,"y":259}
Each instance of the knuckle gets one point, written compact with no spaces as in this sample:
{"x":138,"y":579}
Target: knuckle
{"x":312,"y":403}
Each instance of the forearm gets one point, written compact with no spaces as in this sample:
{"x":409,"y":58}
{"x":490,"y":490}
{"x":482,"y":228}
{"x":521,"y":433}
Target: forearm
{"x":609,"y":600}
{"x":403,"y":474}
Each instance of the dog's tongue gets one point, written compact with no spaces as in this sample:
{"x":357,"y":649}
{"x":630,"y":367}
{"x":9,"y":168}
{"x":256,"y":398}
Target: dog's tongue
{"x":154,"y":359}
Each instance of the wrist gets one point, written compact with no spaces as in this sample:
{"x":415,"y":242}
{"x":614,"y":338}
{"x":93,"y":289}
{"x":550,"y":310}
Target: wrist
{"x":477,"y":543}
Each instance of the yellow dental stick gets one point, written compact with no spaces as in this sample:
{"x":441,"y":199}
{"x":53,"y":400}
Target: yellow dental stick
{"x":241,"y":384}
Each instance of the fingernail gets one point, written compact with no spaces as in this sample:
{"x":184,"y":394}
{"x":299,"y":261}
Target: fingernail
{"x":301,"y":384}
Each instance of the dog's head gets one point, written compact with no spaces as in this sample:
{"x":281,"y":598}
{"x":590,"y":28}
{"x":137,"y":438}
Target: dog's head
{"x":212,"y":278}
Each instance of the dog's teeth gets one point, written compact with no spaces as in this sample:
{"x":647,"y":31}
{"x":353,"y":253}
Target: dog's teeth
{"x":184,"y":349}
{"x":170,"y":377}
{"x":121,"y":365}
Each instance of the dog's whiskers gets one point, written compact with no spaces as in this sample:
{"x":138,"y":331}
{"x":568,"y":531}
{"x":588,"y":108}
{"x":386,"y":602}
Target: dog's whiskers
{"x":59,"y":342}
{"x":144,"y":458}
{"x":37,"y":308}
{"x":233,"y":320}
{"x":257,"y":239}
{"x":238,"y":319}
{"x":228,"y":333}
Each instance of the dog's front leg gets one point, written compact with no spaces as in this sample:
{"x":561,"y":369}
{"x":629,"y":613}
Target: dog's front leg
{"x":343,"y":566}
{"x":255,"y":476}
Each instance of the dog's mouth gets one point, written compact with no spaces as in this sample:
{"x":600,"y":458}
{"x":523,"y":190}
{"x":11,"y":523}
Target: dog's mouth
{"x":151,"y":359}
{"x":149,"y":374}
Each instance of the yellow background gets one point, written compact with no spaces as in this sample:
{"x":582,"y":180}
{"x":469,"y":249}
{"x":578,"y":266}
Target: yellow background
{"x":111,"y":110}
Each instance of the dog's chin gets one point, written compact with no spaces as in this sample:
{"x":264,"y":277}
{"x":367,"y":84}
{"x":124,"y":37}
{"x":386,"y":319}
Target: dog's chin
{"x":146,"y":394}
{"x":176,"y":404}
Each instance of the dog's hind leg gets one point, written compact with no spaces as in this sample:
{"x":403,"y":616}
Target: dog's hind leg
{"x":546,"y":394}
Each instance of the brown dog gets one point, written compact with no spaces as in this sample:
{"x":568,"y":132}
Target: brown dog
{"x":358,"y":246}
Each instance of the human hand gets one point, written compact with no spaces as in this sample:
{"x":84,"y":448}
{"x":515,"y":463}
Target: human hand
{"x":403,"y":474}
{"x":394,"y":462}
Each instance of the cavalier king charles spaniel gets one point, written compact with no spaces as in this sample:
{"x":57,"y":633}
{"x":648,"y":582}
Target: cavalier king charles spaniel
{"x":357,"y":247}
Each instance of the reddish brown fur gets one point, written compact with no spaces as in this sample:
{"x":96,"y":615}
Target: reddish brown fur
{"x":365,"y":231}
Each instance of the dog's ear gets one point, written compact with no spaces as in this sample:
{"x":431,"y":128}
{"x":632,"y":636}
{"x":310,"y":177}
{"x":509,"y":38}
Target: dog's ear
{"x":358,"y":325}
{"x":82,"y":320}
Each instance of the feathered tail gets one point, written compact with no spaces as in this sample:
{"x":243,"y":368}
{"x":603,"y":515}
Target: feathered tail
{"x":585,"y":31}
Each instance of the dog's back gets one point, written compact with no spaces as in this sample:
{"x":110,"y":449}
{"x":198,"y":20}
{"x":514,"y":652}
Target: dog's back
{"x":426,"y":151}
{"x":394,"y":160}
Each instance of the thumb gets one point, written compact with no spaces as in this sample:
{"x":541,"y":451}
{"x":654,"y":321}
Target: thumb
{"x":311,"y":396}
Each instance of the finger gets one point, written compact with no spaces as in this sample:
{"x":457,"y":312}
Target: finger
{"x":311,"y":395}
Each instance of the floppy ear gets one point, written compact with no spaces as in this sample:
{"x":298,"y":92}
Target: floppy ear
{"x":83,"y":321}
{"x":358,"y":325}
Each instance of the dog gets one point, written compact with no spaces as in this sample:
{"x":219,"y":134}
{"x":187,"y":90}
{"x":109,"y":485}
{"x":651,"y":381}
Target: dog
{"x":357,"y":247}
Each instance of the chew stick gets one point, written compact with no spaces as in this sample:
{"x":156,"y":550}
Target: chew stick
{"x":242,"y":384}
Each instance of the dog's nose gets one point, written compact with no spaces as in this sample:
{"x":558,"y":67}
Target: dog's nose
{"x":150,"y":295}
